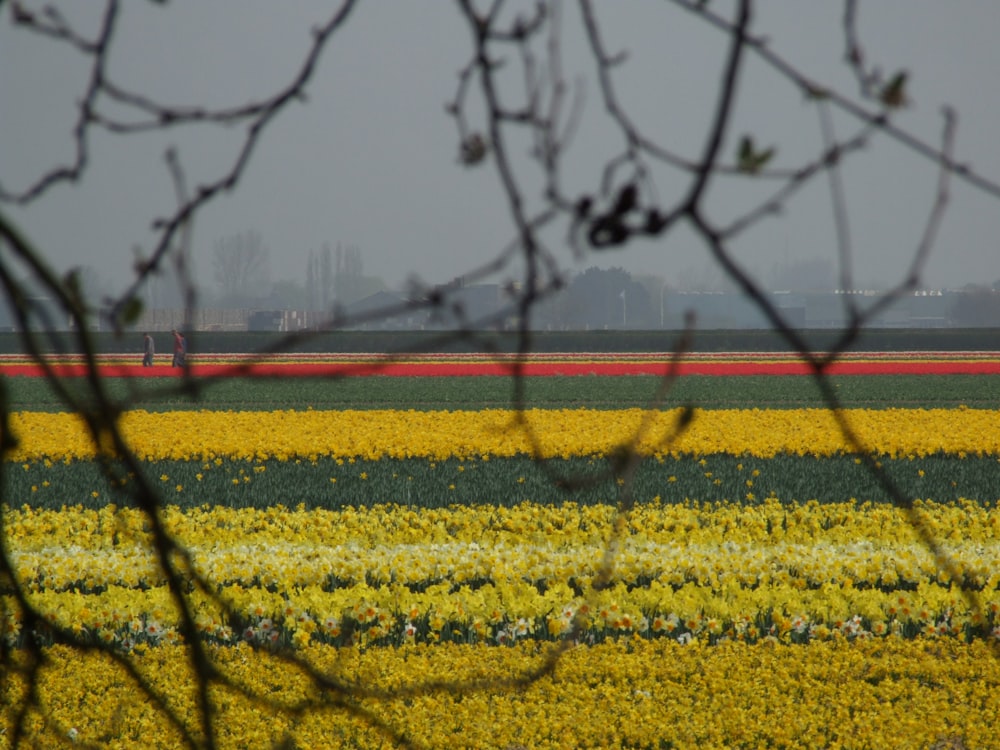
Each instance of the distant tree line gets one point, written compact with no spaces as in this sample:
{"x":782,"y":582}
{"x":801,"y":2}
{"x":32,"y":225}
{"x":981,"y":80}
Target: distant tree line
{"x":242,"y":277}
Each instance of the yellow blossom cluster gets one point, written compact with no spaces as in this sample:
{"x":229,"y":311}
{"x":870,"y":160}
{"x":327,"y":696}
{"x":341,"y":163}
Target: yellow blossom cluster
{"x":394,"y":573}
{"x":549,"y":433}
{"x":615,"y":694}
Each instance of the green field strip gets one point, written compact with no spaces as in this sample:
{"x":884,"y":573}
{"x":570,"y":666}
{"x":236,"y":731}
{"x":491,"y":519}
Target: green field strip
{"x":460,"y":393}
{"x":328,"y":483}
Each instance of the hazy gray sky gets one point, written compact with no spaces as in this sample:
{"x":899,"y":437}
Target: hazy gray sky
{"x":371,"y":158}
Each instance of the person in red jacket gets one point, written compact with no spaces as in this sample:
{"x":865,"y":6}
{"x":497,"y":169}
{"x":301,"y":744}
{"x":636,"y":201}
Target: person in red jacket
{"x":180,"y":348}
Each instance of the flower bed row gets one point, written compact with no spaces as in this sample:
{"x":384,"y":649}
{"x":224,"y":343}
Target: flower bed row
{"x":480,"y":392}
{"x":334,"y":483}
{"x":452,"y":365}
{"x":391,"y":575}
{"x":375,"y":434}
{"x":882,"y":693}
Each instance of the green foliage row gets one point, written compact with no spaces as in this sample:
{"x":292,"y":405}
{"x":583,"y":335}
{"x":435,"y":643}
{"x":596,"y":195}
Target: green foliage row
{"x":459,"y":393}
{"x":332,"y":484}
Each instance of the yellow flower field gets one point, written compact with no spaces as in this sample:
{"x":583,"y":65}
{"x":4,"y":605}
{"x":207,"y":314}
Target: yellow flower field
{"x":877,"y":694}
{"x":808,"y":621}
{"x":549,"y":433}
{"x":393,"y":574}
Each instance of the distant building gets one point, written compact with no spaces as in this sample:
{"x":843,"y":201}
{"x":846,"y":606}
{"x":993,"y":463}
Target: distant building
{"x":486,"y":306}
{"x":277,"y":320}
{"x":468,"y":305}
{"x":383,"y":311}
{"x":919,"y":309}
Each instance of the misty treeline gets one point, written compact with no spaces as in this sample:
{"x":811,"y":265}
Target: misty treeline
{"x":514,"y":91}
{"x":592,"y":299}
{"x":243,"y":277}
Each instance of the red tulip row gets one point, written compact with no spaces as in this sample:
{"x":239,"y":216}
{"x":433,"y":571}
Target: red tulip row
{"x":450,"y":365}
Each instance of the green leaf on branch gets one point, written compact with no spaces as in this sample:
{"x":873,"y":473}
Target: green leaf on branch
{"x":893,"y":94}
{"x":749,"y":159}
{"x":130,"y":311}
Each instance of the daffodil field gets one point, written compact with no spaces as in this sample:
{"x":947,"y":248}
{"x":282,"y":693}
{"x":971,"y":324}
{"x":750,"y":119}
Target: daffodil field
{"x":385,"y":556}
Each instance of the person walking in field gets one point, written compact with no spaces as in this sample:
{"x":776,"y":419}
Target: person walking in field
{"x":148,"y":350}
{"x":180,"y":348}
